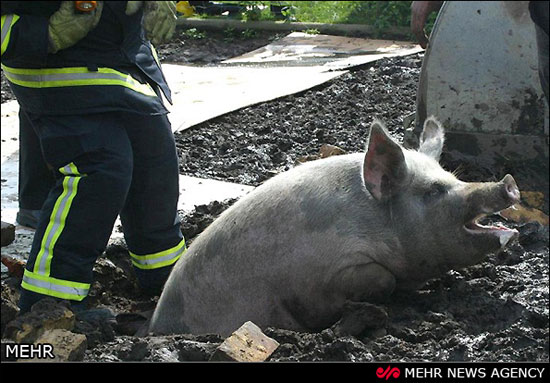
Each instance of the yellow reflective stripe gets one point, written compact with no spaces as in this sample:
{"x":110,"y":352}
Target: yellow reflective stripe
{"x":160,"y":259}
{"x":74,"y":76}
{"x":54,"y":287}
{"x":7,"y":23}
{"x":155,"y":55}
{"x":48,"y":71}
{"x":57,"y":218}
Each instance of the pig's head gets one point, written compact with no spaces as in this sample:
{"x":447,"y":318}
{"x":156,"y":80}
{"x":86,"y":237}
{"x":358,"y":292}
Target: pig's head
{"x":434,"y":214}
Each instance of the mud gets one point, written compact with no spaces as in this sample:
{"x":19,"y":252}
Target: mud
{"x":494,"y":311}
{"x":253,"y":144}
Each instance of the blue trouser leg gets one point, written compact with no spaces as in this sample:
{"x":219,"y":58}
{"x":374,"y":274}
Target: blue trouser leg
{"x":149,"y":217}
{"x":93,"y":160}
{"x":35,"y":179}
{"x":106,"y":164}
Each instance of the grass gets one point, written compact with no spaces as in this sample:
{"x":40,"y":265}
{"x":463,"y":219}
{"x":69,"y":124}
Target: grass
{"x":379,"y":14}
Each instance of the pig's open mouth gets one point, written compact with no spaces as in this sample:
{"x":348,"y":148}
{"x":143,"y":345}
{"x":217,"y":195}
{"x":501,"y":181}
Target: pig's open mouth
{"x":497,"y":229}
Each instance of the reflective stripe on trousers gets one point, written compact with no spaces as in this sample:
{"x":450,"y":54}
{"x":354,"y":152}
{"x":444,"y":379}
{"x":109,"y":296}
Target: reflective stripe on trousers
{"x":39,"y":280}
{"x":54,"y":287}
{"x":160,"y":259}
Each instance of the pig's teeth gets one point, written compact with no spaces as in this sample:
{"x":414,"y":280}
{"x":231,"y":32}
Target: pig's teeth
{"x":505,"y":237}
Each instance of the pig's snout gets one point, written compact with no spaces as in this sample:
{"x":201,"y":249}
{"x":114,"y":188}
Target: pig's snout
{"x":491,"y":197}
{"x":511,"y":189}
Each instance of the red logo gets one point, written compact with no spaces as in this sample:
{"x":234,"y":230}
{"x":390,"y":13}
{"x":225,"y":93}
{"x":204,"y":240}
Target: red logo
{"x":388,"y":372}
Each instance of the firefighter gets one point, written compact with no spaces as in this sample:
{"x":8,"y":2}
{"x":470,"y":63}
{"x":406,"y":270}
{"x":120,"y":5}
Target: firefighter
{"x":90,"y":83}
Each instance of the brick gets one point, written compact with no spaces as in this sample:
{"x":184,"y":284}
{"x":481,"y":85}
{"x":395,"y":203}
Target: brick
{"x":246,"y":344}
{"x":16,"y":267}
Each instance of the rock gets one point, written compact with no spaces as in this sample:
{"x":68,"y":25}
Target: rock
{"x":46,"y":314}
{"x":67,"y":346}
{"x":8,"y":313}
{"x":195,"y":350}
{"x":5,"y":355}
{"x":328,"y":150}
{"x":532,"y":234}
{"x":8,"y":233}
{"x":131,"y":323}
{"x":247,"y":344}
{"x":524,"y":214}
{"x":302,"y":159}
{"x":133,"y":352}
{"x":10,"y":297}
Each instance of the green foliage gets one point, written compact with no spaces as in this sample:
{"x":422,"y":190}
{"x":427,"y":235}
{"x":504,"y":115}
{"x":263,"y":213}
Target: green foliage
{"x":231,"y":34}
{"x":379,"y":14}
{"x":193,"y":33}
{"x":312,"y":31}
{"x":249,"y":34}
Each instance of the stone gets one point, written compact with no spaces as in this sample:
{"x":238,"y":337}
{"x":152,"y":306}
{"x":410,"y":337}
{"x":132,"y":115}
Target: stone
{"x":246,"y":344}
{"x":8,"y":233}
{"x":328,"y":150}
{"x":8,"y":311}
{"x":66,"y":346}
{"x":46,"y":314}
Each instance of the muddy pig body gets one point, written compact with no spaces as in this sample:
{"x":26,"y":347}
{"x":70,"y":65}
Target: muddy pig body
{"x":347,"y":228}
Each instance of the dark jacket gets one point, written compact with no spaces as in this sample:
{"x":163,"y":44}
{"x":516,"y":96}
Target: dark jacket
{"x":113,"y":68}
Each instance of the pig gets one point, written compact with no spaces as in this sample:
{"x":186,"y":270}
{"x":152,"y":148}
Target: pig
{"x":350,"y":228}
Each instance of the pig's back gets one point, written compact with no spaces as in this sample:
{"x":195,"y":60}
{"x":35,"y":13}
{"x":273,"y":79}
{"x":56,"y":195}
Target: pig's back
{"x":311,"y":198}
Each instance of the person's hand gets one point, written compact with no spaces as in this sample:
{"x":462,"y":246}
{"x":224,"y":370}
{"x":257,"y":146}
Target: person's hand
{"x":67,"y":26}
{"x":159,"y":20}
{"x":420,"y":10}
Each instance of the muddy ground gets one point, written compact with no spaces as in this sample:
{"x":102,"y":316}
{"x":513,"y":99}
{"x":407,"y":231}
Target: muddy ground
{"x":494,"y":311}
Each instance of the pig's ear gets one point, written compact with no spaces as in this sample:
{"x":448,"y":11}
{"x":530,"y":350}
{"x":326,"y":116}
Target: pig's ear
{"x":432,"y":138}
{"x":384,"y":168}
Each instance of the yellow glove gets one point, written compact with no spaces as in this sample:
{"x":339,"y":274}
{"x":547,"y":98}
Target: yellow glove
{"x":159,"y":20}
{"x":67,"y":27}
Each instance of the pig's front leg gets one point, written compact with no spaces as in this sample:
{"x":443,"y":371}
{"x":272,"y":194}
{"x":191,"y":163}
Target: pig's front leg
{"x":357,"y":285}
{"x":358,"y":317}
{"x":364,"y":282}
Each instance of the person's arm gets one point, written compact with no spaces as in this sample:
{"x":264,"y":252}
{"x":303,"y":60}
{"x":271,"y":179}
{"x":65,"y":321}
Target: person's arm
{"x":159,"y":20}
{"x":420,"y":10}
{"x":32,"y":37}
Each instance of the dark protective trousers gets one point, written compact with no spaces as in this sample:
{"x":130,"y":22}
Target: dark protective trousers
{"x":35,"y":178}
{"x":105,"y":164}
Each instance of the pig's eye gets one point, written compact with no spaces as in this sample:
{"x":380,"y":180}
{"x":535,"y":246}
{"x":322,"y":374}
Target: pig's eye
{"x":435,"y":191}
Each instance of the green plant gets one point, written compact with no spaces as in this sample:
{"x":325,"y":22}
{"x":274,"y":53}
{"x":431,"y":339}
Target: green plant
{"x":252,"y":13}
{"x":312,"y":31}
{"x":258,"y":10}
{"x":229,"y":34}
{"x":193,"y":33}
{"x":249,"y":33}
{"x":379,"y":14}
